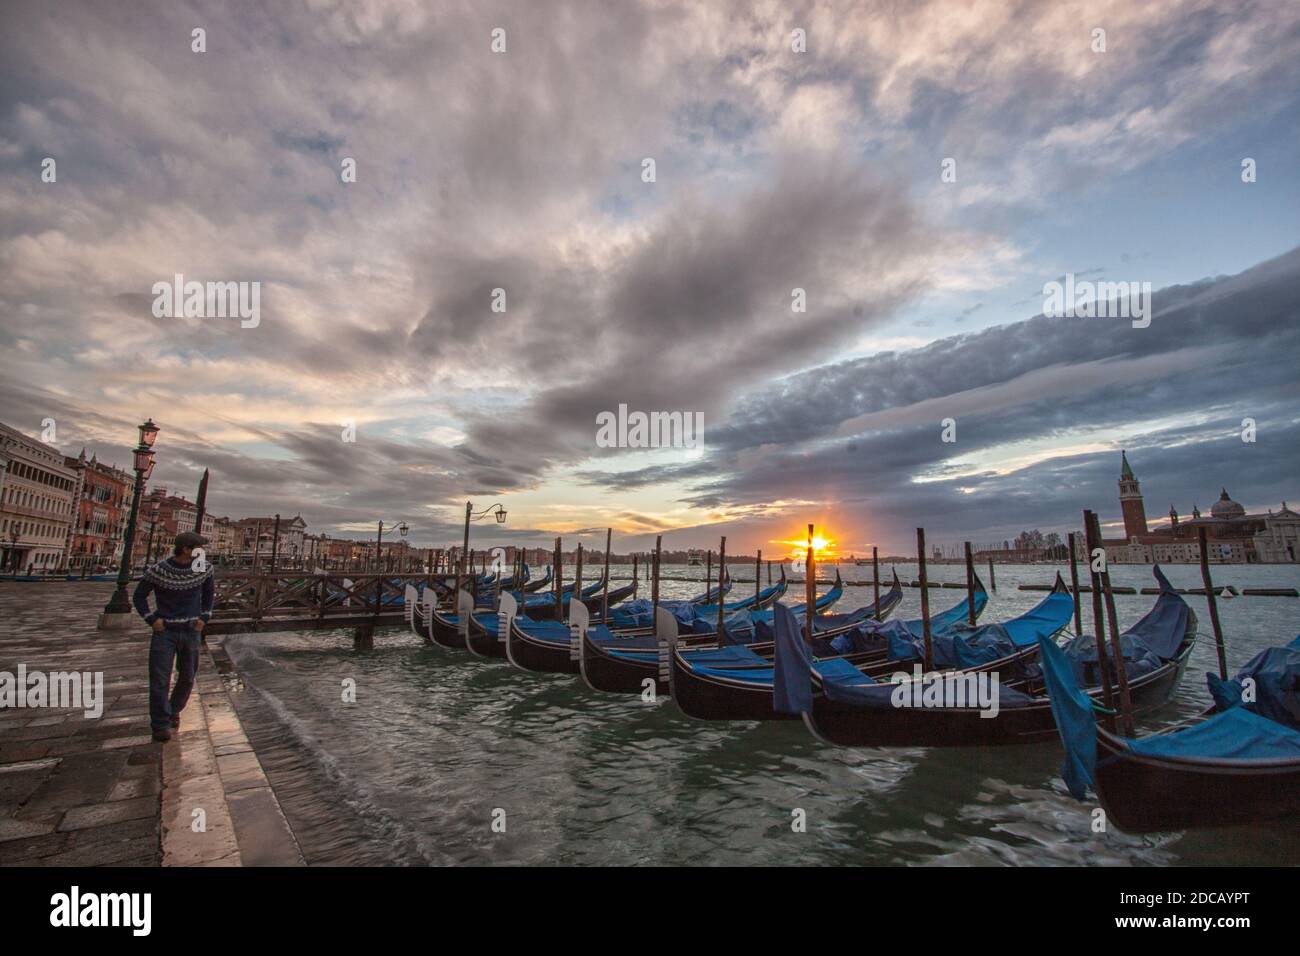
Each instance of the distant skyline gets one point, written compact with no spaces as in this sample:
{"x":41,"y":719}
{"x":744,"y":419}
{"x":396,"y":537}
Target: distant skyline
{"x":774,"y":170}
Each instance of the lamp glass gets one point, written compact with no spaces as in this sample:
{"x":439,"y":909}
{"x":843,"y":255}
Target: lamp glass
{"x":143,"y":458}
{"x":149,"y":433}
{"x":501,"y":516}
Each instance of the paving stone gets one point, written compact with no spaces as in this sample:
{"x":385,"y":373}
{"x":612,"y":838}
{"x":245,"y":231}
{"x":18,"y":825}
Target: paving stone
{"x":17,"y":788}
{"x":240,"y":771}
{"x":25,"y":851}
{"x":80,"y":779}
{"x":138,"y":787}
{"x":232,"y":749}
{"x":15,"y":752}
{"x":24,"y":766}
{"x":46,"y":721}
{"x":264,"y":835}
{"x":99,"y":814}
{"x":11,"y":829}
{"x":101,"y":854}
{"x":149,"y":754}
{"x":144,"y":827}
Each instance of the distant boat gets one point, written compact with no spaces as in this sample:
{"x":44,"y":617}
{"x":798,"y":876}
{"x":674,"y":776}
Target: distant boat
{"x":695,"y":557}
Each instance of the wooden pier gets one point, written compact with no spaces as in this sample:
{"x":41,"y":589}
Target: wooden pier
{"x":300,"y":601}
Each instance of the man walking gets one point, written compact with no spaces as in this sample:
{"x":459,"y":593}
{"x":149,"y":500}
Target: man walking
{"x":183,"y":590}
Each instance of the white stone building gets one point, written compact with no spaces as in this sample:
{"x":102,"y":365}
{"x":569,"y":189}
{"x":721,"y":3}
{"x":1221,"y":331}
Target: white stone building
{"x":36,"y":503}
{"x":1279,"y":542}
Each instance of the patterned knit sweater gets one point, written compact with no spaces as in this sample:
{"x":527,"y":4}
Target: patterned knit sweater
{"x":182,"y":594}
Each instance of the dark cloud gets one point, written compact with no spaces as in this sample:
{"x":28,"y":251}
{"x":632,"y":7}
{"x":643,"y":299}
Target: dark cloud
{"x":522,"y":172}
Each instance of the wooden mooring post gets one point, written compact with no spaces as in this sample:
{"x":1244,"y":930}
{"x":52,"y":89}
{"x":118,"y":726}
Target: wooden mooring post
{"x":925,"y":598}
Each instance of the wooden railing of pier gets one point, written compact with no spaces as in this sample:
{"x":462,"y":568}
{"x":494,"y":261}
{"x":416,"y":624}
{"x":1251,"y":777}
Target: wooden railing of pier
{"x":298,"y":601}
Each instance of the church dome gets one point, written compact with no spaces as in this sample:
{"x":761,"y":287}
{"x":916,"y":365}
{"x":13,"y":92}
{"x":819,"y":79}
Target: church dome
{"x":1225,"y":507}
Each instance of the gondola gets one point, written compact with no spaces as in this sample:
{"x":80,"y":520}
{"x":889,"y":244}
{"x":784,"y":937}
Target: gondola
{"x":1236,"y":763}
{"x":622,"y":666}
{"x":542,"y":606}
{"x":447,"y":630}
{"x":485,"y":633}
{"x":635,"y":617}
{"x":765,"y":598}
{"x":534,"y":586}
{"x":444,"y":625}
{"x":545,"y":646}
{"x":860,"y":710}
{"x":735,"y":683}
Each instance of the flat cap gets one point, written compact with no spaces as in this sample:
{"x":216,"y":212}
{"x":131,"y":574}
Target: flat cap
{"x":190,"y":539}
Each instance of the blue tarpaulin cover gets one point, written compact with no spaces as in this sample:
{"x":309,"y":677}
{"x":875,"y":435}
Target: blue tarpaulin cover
{"x":689,"y":614}
{"x":1159,"y":632}
{"x":763,"y":626}
{"x":792,"y":678}
{"x":762,"y":671}
{"x":954,"y":643}
{"x":1276,"y":675}
{"x":897,"y":635}
{"x":1236,"y":734}
{"x":1072,"y":709}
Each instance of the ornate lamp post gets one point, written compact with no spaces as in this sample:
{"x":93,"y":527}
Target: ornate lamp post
{"x":402,"y":528}
{"x":471,"y":515}
{"x":117,"y":613}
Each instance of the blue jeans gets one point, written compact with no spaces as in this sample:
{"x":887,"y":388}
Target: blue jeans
{"x":177,"y":645}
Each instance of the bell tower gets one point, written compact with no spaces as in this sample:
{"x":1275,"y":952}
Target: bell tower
{"x":1130,"y":501}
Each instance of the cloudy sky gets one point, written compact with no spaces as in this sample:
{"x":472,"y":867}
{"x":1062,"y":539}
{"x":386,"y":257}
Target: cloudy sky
{"x":524,"y":170}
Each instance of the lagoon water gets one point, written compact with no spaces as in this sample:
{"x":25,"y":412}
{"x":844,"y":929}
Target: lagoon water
{"x":439,"y":743}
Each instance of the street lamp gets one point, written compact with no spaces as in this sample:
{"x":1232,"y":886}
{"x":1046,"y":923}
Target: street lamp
{"x":471,"y":515}
{"x":117,"y":613}
{"x":402,"y":528}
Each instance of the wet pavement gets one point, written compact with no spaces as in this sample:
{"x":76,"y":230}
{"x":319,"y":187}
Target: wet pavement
{"x":96,"y":790}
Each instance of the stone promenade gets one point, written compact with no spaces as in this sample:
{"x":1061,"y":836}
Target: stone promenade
{"x":85,"y":791}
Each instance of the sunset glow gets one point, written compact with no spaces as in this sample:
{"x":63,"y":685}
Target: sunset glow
{"x":822,"y":546}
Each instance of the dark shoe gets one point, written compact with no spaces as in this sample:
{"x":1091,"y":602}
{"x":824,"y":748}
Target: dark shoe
{"x":162,"y":736}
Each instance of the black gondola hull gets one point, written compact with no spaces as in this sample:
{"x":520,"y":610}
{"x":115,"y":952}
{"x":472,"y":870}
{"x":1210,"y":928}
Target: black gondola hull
{"x":484,"y":644}
{"x":615,"y":675}
{"x":543,"y":657}
{"x":849,"y":726}
{"x":445,"y":634}
{"x":709,"y":697}
{"x":1143,"y":794}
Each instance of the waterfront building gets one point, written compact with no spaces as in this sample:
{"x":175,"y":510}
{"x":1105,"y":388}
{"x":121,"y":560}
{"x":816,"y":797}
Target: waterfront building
{"x":222,"y":539}
{"x":257,"y":535}
{"x":4,"y":469}
{"x":1233,"y":536}
{"x":166,"y":516}
{"x":36,"y":508}
{"x":101,"y":500}
{"x":1279,"y":542}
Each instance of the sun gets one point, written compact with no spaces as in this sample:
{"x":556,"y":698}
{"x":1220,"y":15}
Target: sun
{"x":821,"y":544}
